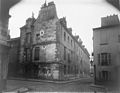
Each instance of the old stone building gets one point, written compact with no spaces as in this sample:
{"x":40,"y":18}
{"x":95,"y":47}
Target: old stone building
{"x":106,"y":46}
{"x":48,"y":48}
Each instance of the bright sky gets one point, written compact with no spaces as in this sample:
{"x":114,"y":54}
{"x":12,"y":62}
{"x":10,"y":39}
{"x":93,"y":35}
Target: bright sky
{"x":81,"y":15}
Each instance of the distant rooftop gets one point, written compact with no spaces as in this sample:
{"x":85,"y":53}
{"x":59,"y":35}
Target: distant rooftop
{"x":110,"y":20}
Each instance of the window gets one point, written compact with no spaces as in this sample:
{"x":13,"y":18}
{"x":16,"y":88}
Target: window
{"x":119,"y":38}
{"x":41,"y":32}
{"x":68,"y":69}
{"x":100,"y":75}
{"x":68,"y":39}
{"x":64,"y":53}
{"x":76,"y":69}
{"x":37,"y":36}
{"x":105,"y":75}
{"x":104,"y":59}
{"x":98,"y":59}
{"x":69,"y":58}
{"x":36,"y":53}
{"x":27,"y":37}
{"x":27,"y":54}
{"x":64,"y":69}
{"x":64,"y":36}
{"x":71,"y":42}
{"x":109,"y":58}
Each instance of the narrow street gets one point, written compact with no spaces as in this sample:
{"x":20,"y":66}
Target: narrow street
{"x":79,"y":85}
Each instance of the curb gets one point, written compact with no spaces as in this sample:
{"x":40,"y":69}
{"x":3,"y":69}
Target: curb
{"x":98,"y":86}
{"x":47,"y":81}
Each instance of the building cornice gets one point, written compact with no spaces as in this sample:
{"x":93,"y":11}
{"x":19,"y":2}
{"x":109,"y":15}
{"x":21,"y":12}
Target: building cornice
{"x":104,"y":27}
{"x":85,"y":50}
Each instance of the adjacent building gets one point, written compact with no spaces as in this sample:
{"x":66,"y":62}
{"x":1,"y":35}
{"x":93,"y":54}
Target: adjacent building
{"x":106,"y":47}
{"x":48,"y":48}
{"x":5,"y":5}
{"x":13,"y":56}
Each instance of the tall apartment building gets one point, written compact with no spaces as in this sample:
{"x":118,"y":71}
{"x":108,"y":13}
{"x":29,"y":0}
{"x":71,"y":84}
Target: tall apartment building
{"x":106,"y":47}
{"x":48,"y":48}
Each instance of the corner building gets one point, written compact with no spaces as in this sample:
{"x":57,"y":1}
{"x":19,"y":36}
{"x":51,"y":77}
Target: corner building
{"x":106,"y":46}
{"x":49,"y":50}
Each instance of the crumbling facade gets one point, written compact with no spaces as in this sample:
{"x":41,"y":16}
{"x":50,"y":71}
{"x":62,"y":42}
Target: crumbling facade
{"x":48,"y":48}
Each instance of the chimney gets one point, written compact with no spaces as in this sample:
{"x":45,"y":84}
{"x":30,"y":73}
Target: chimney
{"x":110,"y":20}
{"x":47,"y":12}
{"x":63,"y":21}
{"x":70,"y":30}
{"x":76,"y":37}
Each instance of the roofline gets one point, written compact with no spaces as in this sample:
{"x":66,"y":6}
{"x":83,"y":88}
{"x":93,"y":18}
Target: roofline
{"x":86,"y":51}
{"x":103,"y":27}
{"x":12,"y":39}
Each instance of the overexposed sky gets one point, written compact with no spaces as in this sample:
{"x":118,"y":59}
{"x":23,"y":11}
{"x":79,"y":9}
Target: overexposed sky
{"x":81,"y":15}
